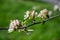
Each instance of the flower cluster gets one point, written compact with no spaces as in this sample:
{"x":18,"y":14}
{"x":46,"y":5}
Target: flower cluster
{"x":44,"y":13}
{"x":17,"y":25}
{"x":13,"y":25}
{"x":30,"y":15}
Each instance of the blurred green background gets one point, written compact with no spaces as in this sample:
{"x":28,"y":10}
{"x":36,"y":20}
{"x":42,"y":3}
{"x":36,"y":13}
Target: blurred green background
{"x":15,"y":9}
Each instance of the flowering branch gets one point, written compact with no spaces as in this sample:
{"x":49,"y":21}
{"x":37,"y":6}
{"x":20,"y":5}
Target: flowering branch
{"x":2,"y":28}
{"x":44,"y":20}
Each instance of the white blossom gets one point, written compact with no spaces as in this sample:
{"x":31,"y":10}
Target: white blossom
{"x":13,"y":25}
{"x":11,"y":28}
{"x":26,"y":15}
{"x":56,"y":7}
{"x":43,"y":13}
{"x":27,"y":12}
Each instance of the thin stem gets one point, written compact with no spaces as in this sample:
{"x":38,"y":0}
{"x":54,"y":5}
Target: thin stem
{"x":1,"y":28}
